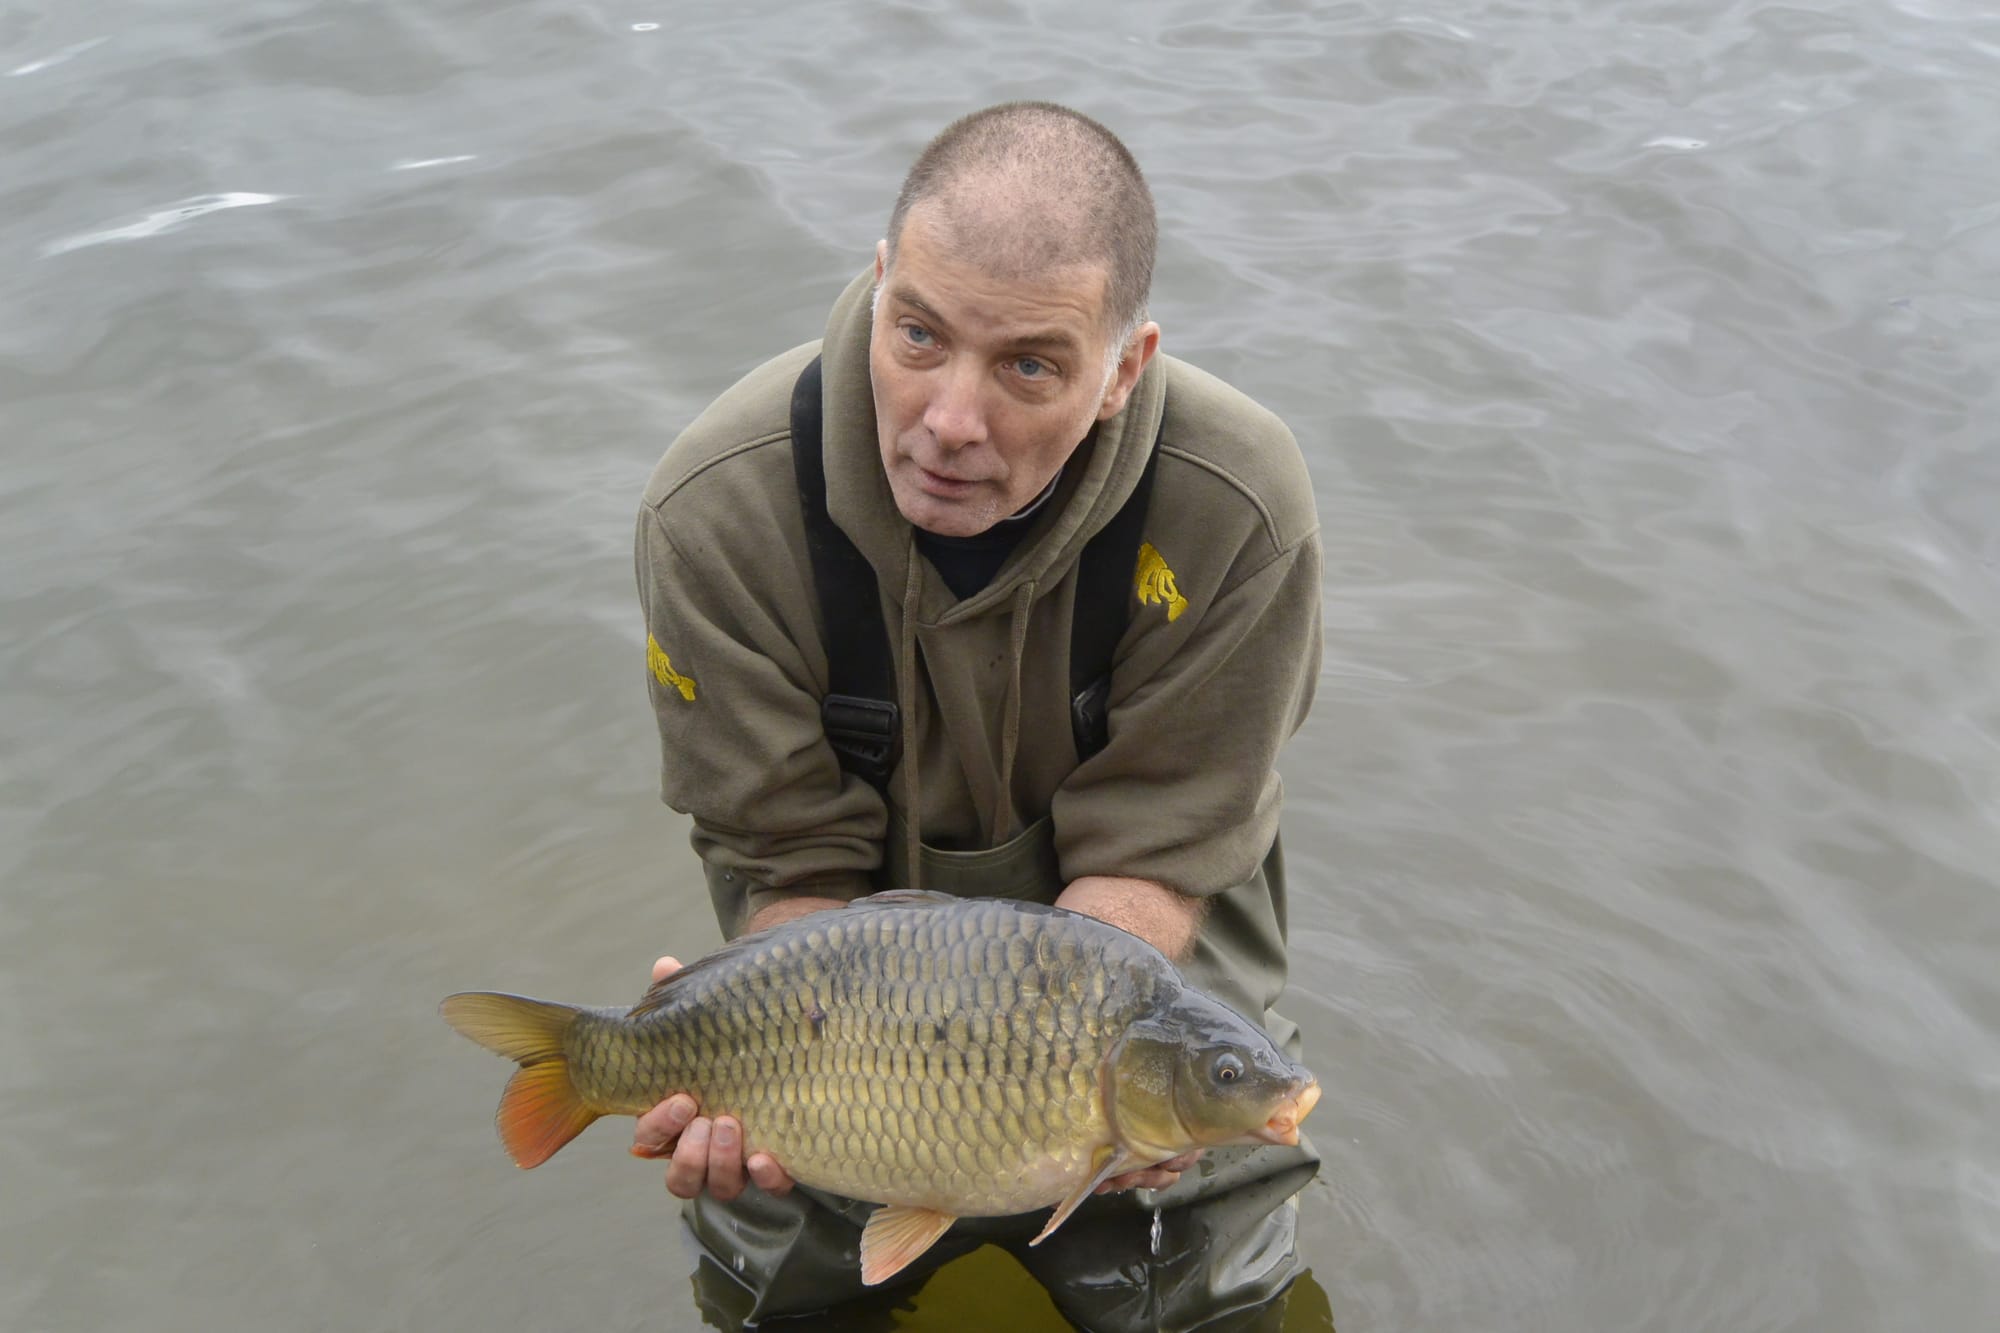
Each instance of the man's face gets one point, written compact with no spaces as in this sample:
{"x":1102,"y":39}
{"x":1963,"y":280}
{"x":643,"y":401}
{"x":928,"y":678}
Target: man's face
{"x":984,"y":386}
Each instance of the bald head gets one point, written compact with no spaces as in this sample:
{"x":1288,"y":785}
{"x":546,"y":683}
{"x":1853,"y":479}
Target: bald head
{"x":1027,"y":189}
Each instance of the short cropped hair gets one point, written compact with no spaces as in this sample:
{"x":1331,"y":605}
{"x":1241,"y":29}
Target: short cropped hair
{"x":1031,"y":186}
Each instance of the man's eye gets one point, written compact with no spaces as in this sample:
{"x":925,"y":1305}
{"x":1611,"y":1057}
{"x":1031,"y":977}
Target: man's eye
{"x":917,"y":334}
{"x":1032,"y":368}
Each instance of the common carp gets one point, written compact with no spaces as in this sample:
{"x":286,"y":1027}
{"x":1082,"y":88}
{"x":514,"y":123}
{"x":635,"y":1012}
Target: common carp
{"x":943,"y":1057}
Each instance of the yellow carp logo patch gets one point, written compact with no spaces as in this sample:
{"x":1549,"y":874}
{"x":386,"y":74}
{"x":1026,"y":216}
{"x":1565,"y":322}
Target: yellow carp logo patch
{"x":1154,"y":582}
{"x":663,"y":670}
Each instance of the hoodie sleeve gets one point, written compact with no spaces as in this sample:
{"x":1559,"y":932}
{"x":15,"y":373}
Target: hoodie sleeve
{"x":742,"y":749}
{"x":1186,"y":792}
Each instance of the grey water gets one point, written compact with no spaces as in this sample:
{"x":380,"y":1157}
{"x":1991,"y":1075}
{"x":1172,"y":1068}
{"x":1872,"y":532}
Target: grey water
{"x":1646,"y":831}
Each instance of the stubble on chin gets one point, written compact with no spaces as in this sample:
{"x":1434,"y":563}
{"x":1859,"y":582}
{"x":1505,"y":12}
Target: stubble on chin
{"x":947,"y":518}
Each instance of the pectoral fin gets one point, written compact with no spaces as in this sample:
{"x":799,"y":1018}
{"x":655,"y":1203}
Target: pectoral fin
{"x":1111,"y":1160}
{"x":895,"y":1236}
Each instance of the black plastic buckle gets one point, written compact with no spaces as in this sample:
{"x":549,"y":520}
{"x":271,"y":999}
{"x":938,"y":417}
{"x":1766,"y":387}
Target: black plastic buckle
{"x":1090,"y":717}
{"x":866,"y":733}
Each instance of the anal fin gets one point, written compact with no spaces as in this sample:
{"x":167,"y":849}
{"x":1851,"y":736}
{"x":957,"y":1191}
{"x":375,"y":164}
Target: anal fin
{"x":895,"y":1236}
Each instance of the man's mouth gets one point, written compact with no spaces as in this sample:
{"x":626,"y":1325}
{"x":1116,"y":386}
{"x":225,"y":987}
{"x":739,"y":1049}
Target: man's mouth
{"x":939,"y":483}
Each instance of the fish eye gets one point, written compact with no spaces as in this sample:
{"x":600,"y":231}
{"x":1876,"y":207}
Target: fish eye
{"x":1228,"y":1068}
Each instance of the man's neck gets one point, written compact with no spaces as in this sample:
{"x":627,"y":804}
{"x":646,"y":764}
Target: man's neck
{"x":968,"y":564}
{"x":1029,"y":508}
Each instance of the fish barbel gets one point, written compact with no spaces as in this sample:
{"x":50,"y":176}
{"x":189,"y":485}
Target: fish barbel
{"x":943,"y":1057}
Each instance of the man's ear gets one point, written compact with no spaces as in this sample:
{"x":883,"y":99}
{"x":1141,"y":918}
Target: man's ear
{"x":1138,"y":352}
{"x":881,"y":259}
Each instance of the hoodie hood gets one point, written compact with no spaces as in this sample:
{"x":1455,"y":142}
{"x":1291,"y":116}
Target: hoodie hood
{"x":1097,"y":480}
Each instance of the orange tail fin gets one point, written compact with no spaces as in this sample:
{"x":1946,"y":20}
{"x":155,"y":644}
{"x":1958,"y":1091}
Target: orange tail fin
{"x":540,"y":1111}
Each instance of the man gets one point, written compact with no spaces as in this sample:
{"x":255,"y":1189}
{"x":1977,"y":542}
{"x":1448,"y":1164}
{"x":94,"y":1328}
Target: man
{"x":990,"y":401}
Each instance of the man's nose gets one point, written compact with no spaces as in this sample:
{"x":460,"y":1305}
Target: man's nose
{"x":955,"y":415}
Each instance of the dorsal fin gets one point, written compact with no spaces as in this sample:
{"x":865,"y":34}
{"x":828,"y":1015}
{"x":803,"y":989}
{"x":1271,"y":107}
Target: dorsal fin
{"x":906,"y":898}
{"x":660,"y":991}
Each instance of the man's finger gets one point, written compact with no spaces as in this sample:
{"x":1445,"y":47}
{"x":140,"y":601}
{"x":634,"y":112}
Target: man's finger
{"x":1150,"y":1178}
{"x":689,"y":1171}
{"x":725,"y":1160}
{"x":767,"y":1175}
{"x":659,"y":1128}
{"x":665,"y":968}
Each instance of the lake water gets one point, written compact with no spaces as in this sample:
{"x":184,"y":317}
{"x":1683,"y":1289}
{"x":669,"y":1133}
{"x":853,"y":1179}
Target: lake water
{"x":1647,"y":358}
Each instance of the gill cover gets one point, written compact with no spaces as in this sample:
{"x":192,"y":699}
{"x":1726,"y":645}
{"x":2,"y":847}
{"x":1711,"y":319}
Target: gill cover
{"x":1138,"y":1091}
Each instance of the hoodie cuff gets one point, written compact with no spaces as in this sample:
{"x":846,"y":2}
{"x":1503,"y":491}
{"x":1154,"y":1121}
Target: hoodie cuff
{"x":738,"y":898}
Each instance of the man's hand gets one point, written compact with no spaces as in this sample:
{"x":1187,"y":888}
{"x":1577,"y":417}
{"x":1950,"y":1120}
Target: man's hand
{"x":1167,"y":920}
{"x":706,"y":1154}
{"x":1156,"y":1177}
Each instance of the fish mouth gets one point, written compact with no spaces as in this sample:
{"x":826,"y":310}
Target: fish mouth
{"x":1283,"y":1126}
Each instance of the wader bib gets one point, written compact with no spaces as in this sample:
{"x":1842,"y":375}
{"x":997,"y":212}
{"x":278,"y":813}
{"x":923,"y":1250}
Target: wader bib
{"x":1212,"y":1252}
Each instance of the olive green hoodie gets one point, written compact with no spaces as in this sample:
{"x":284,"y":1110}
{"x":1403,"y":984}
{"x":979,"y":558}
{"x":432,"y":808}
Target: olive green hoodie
{"x":1215,"y":672}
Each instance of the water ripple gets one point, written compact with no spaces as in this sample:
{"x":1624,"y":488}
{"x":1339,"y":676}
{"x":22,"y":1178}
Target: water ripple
{"x":1643,"y":836}
{"x":161,"y":221}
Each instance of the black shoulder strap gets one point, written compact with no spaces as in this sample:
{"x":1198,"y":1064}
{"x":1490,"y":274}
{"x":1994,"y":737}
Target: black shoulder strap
{"x":1103,"y":610}
{"x":859,"y":711}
